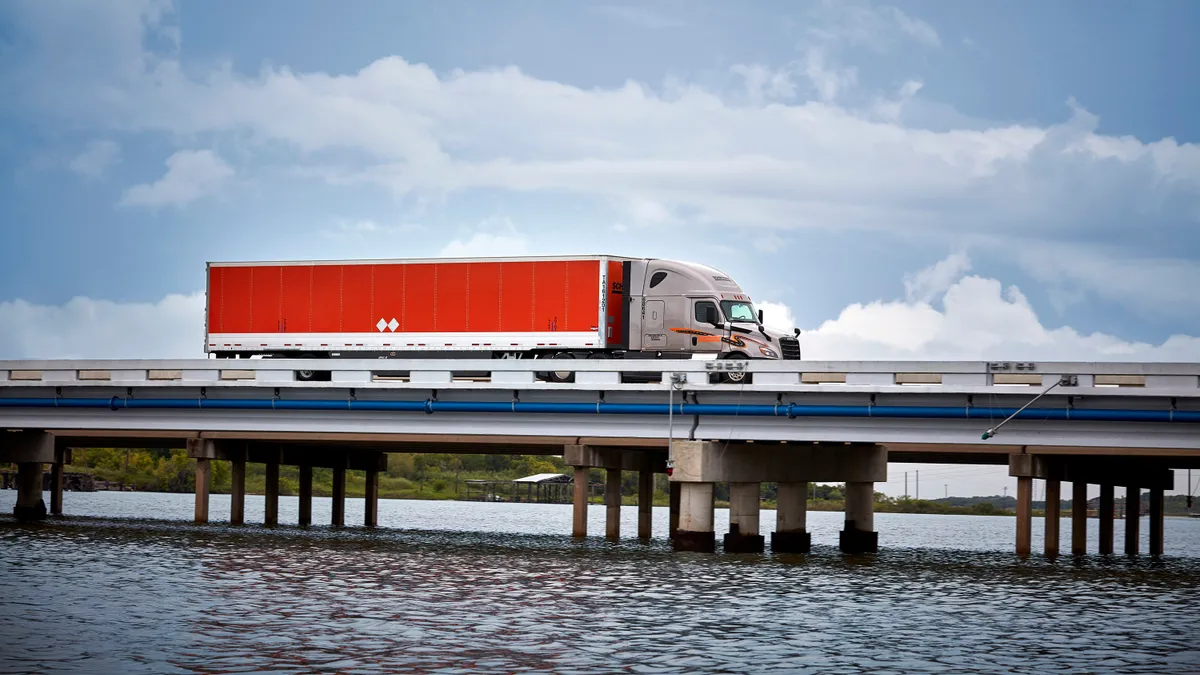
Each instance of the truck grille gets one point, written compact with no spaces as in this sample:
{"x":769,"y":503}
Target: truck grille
{"x":789,"y":348}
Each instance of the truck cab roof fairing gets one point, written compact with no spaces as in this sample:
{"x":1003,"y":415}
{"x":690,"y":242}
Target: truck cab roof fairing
{"x":685,"y":278}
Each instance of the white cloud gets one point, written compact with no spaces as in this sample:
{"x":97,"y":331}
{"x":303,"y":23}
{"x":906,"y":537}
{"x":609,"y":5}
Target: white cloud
{"x":776,"y":315}
{"x":85,"y":328}
{"x":686,"y":152}
{"x":978,"y":319}
{"x":882,"y":28}
{"x":493,"y":238}
{"x":96,"y":158}
{"x":191,"y":175}
{"x":365,"y":230}
{"x":933,"y":281}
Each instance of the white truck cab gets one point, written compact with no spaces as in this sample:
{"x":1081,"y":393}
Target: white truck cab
{"x":689,"y":308}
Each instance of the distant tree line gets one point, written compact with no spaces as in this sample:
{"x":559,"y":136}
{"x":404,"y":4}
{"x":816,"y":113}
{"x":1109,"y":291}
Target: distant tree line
{"x":442,"y":476}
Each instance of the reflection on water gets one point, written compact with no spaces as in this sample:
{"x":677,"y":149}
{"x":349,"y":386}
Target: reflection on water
{"x":497,"y":588}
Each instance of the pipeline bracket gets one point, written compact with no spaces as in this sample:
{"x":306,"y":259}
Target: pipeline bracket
{"x":353,"y":395}
{"x":433,"y":394}
{"x":58,"y":392}
{"x":203,"y":393}
{"x":1068,"y":380}
{"x":128,"y":392}
{"x":516,"y":396}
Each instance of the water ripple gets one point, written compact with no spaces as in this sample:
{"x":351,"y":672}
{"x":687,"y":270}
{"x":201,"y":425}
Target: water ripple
{"x":96,"y":594}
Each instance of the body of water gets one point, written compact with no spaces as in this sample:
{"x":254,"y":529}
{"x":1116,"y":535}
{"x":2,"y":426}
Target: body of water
{"x":126,"y":584}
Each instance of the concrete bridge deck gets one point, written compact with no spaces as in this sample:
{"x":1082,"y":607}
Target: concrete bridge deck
{"x":795,"y":422}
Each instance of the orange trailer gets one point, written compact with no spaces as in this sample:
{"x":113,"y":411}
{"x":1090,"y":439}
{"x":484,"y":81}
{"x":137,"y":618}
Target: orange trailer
{"x":416,"y":307}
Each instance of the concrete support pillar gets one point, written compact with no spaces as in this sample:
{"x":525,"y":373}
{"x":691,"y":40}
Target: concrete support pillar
{"x":1133,"y":517}
{"x":858,"y":534}
{"x":1053,"y":515}
{"x":1024,"y":515}
{"x":56,"y":488}
{"x":271,"y":515}
{"x":371,"y":518}
{"x":1106,"y":518}
{"x":1078,"y":518}
{"x":579,"y":525}
{"x":673,"y":509}
{"x":645,"y":503}
{"x":30,"y":505}
{"x":612,"y":504}
{"x":339,"y":497}
{"x":791,"y":518}
{"x":305,"y":495}
{"x":743,"y":536}
{"x":203,"y":482}
{"x":695,"y":531}
{"x":237,"y":492}
{"x":1156,"y":521}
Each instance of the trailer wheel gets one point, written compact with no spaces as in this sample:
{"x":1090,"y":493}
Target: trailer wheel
{"x":562,"y":375}
{"x":310,"y":375}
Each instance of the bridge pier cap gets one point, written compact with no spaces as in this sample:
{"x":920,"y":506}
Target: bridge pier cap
{"x":739,"y":462}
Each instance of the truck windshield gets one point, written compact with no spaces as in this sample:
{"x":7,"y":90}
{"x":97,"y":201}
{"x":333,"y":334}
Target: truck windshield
{"x":739,"y":311}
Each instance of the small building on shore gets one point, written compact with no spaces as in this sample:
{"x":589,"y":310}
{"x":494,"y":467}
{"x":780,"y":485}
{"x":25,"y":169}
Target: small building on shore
{"x":541,"y":488}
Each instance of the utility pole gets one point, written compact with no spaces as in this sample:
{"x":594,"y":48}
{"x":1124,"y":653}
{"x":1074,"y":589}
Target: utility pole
{"x":906,"y":484}
{"x":918,"y":485}
{"x":947,"y":486}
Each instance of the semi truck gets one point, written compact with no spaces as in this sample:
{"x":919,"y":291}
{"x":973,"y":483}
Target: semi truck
{"x":566,"y":307}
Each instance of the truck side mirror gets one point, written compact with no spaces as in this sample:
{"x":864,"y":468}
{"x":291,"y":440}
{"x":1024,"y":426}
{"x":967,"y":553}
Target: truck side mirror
{"x":710,"y":315}
{"x":760,"y":316}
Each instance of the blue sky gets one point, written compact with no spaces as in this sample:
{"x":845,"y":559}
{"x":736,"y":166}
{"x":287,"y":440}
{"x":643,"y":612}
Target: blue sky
{"x":907,"y":180}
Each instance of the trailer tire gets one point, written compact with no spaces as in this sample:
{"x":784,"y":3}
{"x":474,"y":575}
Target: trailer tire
{"x":561,"y":375}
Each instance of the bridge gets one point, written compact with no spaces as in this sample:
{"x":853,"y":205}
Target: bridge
{"x":790,"y":422}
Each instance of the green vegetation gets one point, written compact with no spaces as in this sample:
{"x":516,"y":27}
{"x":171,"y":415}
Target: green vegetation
{"x":444,"y":476}
{"x":408,"y":476}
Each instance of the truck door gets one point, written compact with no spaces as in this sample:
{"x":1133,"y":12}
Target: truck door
{"x":700,"y":324}
{"x":654,"y":336}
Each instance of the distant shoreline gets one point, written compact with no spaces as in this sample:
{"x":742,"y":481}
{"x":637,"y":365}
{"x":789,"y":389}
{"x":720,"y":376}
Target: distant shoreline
{"x":922,"y":507}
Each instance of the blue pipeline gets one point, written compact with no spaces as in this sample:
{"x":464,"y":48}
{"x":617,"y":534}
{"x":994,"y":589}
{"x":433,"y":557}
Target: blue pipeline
{"x":790,"y":410}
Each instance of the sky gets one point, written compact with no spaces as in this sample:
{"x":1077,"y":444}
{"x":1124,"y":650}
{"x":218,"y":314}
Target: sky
{"x":915,"y":180}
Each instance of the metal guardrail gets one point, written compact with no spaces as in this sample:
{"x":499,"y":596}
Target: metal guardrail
{"x":969,"y":377}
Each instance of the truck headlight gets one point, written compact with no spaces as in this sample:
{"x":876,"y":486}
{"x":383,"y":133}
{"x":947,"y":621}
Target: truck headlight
{"x":768,"y":352}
